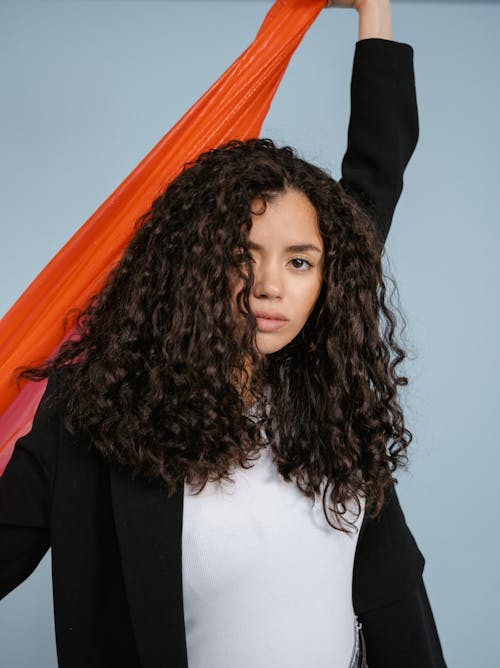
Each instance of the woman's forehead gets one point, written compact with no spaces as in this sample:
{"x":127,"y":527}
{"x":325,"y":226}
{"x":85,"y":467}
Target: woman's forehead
{"x":289,"y":219}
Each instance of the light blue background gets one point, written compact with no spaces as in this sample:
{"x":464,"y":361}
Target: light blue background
{"x":89,"y":87}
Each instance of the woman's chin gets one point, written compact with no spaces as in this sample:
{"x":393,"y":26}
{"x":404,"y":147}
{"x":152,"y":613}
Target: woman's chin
{"x":267,"y":344}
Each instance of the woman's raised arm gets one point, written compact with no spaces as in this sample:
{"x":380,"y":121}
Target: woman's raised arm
{"x":383,"y":127}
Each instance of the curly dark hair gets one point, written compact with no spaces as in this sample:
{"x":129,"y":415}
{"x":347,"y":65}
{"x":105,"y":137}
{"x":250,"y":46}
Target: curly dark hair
{"x":157,"y":350}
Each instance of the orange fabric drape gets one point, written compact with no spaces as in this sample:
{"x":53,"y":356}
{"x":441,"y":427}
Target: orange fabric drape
{"x":234,"y":107}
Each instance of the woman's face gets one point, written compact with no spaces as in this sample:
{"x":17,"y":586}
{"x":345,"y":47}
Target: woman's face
{"x":287,"y":280}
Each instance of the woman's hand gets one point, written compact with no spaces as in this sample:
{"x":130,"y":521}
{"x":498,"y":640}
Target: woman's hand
{"x":374,"y":16}
{"x":345,"y":3}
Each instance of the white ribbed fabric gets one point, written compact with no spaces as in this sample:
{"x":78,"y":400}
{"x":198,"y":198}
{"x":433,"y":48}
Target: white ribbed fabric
{"x":267,"y":582}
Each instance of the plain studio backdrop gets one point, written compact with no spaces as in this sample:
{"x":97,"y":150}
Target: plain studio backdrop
{"x":89,"y":86}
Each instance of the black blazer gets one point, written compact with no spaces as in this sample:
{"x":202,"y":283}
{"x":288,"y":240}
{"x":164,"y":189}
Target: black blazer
{"x":116,"y":543}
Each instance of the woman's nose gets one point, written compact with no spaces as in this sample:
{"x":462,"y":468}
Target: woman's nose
{"x":268,"y":281}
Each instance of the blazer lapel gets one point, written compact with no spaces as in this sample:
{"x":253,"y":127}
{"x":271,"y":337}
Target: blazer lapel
{"x":149,"y":531}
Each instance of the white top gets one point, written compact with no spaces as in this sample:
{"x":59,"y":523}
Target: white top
{"x":266,"y":580}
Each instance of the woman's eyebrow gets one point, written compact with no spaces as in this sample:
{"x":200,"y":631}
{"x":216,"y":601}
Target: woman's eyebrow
{"x":296,"y":248}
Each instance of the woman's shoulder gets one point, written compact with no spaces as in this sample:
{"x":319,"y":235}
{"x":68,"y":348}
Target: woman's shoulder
{"x":35,"y":453}
{"x":59,"y":384}
{"x":47,"y":424}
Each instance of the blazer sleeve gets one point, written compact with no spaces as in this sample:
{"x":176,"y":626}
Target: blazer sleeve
{"x":25,"y":495}
{"x":383,"y":127}
{"x":389,"y":594}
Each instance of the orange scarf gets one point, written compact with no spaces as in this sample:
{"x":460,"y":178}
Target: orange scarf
{"x":234,"y":107}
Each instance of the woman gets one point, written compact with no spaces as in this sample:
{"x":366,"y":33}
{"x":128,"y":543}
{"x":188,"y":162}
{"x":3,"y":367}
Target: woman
{"x":237,"y":340}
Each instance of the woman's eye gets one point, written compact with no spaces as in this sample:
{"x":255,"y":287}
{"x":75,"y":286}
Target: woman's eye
{"x":306,"y":265}
{"x":301,"y":259}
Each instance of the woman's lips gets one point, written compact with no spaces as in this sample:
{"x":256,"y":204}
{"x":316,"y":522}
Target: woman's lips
{"x":269,"y":325}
